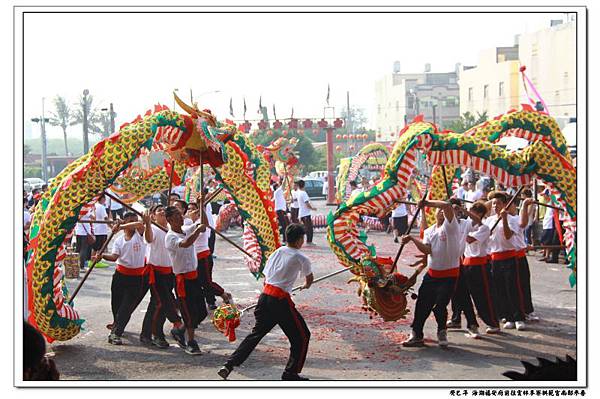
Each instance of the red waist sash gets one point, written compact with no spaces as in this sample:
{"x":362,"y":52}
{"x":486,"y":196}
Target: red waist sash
{"x":503,"y":255}
{"x":139,"y":271}
{"x":521,"y":253}
{"x":443,"y":273}
{"x":276,"y":292}
{"x":180,"y":281}
{"x":157,"y":269}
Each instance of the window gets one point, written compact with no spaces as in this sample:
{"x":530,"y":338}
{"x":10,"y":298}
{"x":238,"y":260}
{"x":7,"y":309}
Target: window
{"x":470,"y":94}
{"x":501,"y":89}
{"x":485,"y":91}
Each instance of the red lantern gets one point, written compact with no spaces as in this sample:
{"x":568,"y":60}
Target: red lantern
{"x":338,"y":136}
{"x":345,"y":137}
{"x":338,"y":148}
{"x":284,"y":132}
{"x":351,"y":137}
{"x":270,"y":132}
{"x":365,"y":136}
{"x":315,"y":131}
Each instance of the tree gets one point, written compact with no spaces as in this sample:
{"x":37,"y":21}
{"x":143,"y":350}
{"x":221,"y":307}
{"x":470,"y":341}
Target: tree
{"x":94,"y":117}
{"x":467,"y":121}
{"x":357,"y":120}
{"x":307,"y":155}
{"x":63,"y":116}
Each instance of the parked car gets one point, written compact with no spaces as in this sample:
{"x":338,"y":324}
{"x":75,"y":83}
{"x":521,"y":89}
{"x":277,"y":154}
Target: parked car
{"x":34,"y":182}
{"x":314,"y":188}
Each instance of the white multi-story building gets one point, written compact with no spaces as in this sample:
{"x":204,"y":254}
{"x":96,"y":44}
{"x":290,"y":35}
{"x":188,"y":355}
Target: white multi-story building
{"x":495,"y":85}
{"x":400,"y":97}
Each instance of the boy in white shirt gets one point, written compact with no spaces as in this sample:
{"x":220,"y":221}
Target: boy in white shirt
{"x":294,"y":207}
{"x":280,"y":209}
{"x":400,"y":221}
{"x":275,"y":307}
{"x":304,"y":208}
{"x":180,"y":246}
{"x":100,"y":229}
{"x":162,"y":304}
{"x":130,"y":280}
{"x":503,"y":254}
{"x":441,"y":244}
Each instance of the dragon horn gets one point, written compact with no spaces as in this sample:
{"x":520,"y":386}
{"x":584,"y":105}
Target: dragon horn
{"x":190,"y":110}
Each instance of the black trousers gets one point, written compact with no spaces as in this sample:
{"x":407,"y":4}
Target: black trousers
{"x":162,"y":306}
{"x":506,"y":282}
{"x":525,"y":284}
{"x":434,"y":295}
{"x":84,"y":249}
{"x":209,"y":287}
{"x":100,"y":240}
{"x":474,"y":284}
{"x":126,"y":294}
{"x":269,"y":312}
{"x":308,"y":225}
{"x":294,"y":214}
{"x":401,"y":224}
{"x":283,"y":222}
{"x":115,"y":212}
{"x":192,"y":305}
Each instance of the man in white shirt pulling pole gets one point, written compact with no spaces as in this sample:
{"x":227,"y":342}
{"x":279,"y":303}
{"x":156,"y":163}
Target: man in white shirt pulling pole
{"x":441,"y":244}
{"x":275,"y":307}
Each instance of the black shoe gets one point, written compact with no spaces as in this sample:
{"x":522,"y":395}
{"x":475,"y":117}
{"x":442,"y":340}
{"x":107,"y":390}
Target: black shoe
{"x":178,"y":335}
{"x":414,"y":341}
{"x":287,"y":376}
{"x":114,"y":339}
{"x":396,"y":240}
{"x":160,"y":342}
{"x":145,"y":340}
{"x":224,"y":371}
{"x":192,"y":348}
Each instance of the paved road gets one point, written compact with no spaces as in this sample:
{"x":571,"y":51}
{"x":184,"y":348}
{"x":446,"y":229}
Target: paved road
{"x":346,"y":343}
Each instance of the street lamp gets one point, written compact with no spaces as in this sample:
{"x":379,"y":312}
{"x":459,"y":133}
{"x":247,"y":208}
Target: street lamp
{"x":112,"y":115}
{"x":42,"y":121}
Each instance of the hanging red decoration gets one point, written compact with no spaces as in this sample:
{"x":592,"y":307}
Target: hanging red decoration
{"x":307,"y":124}
{"x":284,"y":132}
{"x":338,"y":136}
{"x":277,"y":124}
{"x":345,"y":137}
{"x":351,"y":136}
{"x":270,"y":132}
{"x":322,"y":124}
{"x":338,"y":123}
{"x":262,"y":125}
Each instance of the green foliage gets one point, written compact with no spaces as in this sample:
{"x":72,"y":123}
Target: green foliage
{"x":467,"y":121}
{"x":32,"y":171}
{"x":62,"y":116}
{"x":56,"y":146}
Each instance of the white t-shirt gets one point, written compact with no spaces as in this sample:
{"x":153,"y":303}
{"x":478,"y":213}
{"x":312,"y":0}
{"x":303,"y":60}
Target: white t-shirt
{"x":473,"y":195}
{"x":399,"y":211}
{"x":445,"y":252}
{"x":82,"y":229}
{"x":548,"y":222}
{"x":100,"y":228}
{"x":325,"y":187}
{"x":131,"y":253}
{"x":283,"y":267}
{"x":303,"y":209}
{"x":460,"y":192}
{"x":497,"y":242}
{"x":209,"y":216}
{"x":464,"y":226}
{"x":518,"y":239}
{"x":478,"y":248}
{"x":294,"y":199}
{"x":183,"y":260}
{"x":156,"y":252}
{"x":113,"y":205}
{"x":201,"y":243}
{"x":279,"y":199}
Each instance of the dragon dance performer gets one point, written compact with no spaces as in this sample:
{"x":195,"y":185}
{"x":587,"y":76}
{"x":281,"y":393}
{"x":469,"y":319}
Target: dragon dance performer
{"x":130,"y":281}
{"x":475,"y":277}
{"x":275,"y":307}
{"x":162,"y":302}
{"x":280,"y":209}
{"x":441,"y":244}
{"x":503,"y":252}
{"x":180,"y":245}
{"x":524,"y":274}
{"x":294,"y":207}
{"x":204,"y":259}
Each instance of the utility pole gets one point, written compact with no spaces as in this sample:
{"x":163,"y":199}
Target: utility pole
{"x":86,"y":143}
{"x":112,"y":119}
{"x":44,"y":146}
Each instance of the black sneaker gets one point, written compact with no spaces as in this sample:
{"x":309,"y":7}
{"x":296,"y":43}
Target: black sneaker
{"x":192,"y":348}
{"x":145,"y":340}
{"x":413,"y":341}
{"x":178,"y":335}
{"x":224,"y":371}
{"x":160,"y":342}
{"x":114,"y":339}
{"x":287,"y":376}
{"x":396,"y":240}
